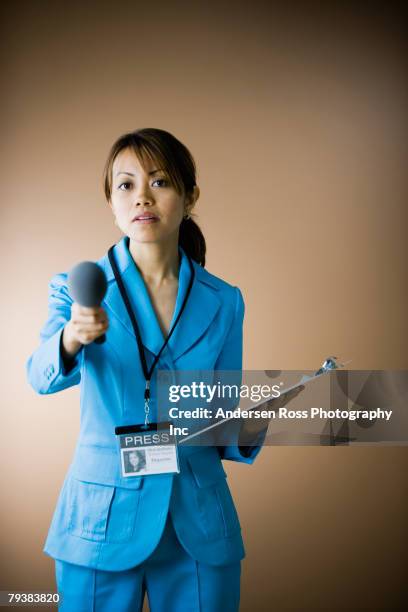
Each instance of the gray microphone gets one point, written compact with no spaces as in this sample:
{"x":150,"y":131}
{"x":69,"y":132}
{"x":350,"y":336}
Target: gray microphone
{"x":87,"y":285}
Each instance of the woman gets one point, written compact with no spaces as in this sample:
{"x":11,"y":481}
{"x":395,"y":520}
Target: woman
{"x":136,"y":461}
{"x":175,"y":535}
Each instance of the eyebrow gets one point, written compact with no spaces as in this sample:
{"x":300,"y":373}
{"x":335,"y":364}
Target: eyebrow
{"x":130,"y":174}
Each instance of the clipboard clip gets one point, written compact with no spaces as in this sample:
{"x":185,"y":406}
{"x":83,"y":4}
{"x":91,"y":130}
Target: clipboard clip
{"x":330,"y":364}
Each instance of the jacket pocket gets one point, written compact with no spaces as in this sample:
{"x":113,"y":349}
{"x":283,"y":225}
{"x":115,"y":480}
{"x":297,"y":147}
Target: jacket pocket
{"x":101,"y":512}
{"x":88,"y":509}
{"x":213,"y":497}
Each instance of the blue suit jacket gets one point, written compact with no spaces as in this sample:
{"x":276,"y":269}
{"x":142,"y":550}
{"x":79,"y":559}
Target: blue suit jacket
{"x":103,"y":520}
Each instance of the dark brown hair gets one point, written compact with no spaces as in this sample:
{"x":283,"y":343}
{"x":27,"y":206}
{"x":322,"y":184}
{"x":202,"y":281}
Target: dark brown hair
{"x":177,"y":162}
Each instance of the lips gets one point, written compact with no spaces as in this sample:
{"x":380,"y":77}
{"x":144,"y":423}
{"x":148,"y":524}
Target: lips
{"x":144,"y":217}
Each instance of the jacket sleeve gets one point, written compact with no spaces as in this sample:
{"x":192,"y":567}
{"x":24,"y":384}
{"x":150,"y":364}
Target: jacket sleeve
{"x":47,"y":372}
{"x":230,"y":358}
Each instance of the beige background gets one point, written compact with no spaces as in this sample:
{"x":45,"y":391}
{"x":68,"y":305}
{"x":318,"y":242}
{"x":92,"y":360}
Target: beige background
{"x":297,"y":121}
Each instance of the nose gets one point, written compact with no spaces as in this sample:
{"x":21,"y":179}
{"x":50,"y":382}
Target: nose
{"x":143,"y":196}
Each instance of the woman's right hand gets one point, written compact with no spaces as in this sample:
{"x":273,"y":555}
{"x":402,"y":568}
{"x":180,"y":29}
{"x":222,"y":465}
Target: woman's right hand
{"x":86,"y":324}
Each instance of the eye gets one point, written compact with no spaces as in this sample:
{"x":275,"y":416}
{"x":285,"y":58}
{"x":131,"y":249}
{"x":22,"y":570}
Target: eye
{"x":162,"y":180}
{"x":121,"y":185}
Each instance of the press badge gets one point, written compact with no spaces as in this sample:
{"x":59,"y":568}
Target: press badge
{"x":147,"y":449}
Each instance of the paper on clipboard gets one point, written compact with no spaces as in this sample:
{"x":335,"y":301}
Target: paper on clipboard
{"x":328,"y":365}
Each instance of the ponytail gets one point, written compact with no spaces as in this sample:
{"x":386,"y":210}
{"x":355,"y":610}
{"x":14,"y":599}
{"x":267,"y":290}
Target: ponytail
{"x":192,"y":240}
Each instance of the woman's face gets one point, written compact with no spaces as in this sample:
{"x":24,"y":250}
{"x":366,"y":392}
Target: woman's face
{"x":136,"y":191}
{"x":134,"y":459}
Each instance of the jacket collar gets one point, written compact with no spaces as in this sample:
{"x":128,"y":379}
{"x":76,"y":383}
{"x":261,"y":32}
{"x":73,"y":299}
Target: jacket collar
{"x":201,"y":307}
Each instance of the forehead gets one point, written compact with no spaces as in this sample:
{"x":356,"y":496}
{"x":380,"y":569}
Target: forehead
{"x":127,"y":161}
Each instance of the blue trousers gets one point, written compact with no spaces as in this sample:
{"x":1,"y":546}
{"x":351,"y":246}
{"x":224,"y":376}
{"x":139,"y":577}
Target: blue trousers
{"x":173,"y":581}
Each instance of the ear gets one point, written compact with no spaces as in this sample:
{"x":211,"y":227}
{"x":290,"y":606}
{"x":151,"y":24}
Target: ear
{"x":196,"y":193}
{"x":192,"y":198}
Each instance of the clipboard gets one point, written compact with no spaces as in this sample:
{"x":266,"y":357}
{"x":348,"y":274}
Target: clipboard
{"x":328,"y":365}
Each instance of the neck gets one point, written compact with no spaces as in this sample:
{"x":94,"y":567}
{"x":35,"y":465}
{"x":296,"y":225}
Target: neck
{"x":158,"y":262}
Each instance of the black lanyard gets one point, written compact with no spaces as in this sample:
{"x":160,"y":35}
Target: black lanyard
{"x":125,"y":298}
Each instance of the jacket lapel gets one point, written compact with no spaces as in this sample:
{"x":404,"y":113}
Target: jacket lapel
{"x":201,"y":307}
